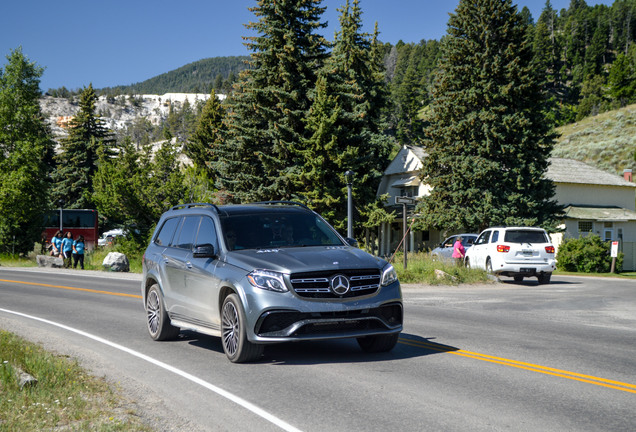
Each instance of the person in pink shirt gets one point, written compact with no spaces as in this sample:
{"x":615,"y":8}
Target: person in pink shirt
{"x":458,"y":251}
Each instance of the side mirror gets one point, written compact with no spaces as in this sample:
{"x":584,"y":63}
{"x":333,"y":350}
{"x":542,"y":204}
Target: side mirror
{"x":351,"y":241}
{"x":204,"y":251}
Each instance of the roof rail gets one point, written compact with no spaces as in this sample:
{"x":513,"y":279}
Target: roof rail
{"x":283,"y":202}
{"x":190,"y":205}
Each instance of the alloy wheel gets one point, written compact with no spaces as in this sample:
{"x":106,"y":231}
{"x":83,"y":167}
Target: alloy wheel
{"x":231,"y":328}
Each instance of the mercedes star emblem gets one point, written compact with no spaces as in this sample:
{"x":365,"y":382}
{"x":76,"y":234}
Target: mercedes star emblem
{"x":340,"y":285}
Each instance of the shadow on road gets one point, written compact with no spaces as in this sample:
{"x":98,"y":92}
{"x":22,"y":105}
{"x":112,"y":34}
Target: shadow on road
{"x":534,"y":282}
{"x":328,"y":351}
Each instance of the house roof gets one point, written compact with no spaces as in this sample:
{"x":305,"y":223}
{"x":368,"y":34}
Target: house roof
{"x":603,"y":214}
{"x":419,"y":152}
{"x":409,"y":159}
{"x":572,"y":171}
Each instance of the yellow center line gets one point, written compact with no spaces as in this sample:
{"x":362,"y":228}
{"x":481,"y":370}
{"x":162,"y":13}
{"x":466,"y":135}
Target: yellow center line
{"x":74,"y":289}
{"x":631,"y":388}
{"x":617,"y":385}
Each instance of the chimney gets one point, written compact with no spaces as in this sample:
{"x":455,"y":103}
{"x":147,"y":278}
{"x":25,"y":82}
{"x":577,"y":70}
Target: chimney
{"x":627,"y":174}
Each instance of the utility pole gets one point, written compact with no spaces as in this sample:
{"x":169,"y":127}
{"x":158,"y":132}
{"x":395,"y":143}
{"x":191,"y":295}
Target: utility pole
{"x":349,"y":175}
{"x":404,"y":200}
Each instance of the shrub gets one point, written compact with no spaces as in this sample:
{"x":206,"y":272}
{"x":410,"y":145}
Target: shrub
{"x":588,"y":255}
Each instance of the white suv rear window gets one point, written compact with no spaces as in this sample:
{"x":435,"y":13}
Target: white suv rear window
{"x":525,"y":236}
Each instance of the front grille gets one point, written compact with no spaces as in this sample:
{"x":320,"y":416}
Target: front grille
{"x":317,"y":285}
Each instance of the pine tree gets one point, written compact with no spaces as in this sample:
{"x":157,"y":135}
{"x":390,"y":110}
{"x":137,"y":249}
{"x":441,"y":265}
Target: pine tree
{"x":135,"y":187}
{"x":77,"y":161}
{"x":489,"y":141}
{"x":345,"y":124}
{"x":26,"y":150}
{"x":546,"y":50}
{"x":270,"y":101}
{"x":200,"y":147}
{"x":622,"y":78}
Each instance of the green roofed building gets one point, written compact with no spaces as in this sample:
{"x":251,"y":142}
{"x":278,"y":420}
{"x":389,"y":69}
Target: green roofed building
{"x":596,"y":202}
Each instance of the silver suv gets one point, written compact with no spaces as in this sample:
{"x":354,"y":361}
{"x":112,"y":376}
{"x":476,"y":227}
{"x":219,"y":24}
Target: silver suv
{"x":264,"y":273}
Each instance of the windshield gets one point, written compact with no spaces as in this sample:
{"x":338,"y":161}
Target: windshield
{"x":277,"y":229}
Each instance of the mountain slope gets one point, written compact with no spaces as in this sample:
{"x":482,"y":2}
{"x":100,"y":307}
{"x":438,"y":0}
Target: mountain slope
{"x":196,"y":77}
{"x":607,"y":140}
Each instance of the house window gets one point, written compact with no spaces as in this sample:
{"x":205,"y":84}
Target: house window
{"x":408,"y":191}
{"x":609,"y":225}
{"x":586,"y":226}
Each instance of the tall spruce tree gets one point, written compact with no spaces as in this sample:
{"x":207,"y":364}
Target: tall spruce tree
{"x":489,"y":141}
{"x":77,"y":161}
{"x":270,"y":101}
{"x":201,"y":145}
{"x":26,"y":152}
{"x":344,"y":123}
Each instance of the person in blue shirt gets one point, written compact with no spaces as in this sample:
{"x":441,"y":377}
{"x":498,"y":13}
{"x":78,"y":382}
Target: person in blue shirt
{"x":56,"y":244}
{"x":67,"y":249}
{"x":78,"y":252}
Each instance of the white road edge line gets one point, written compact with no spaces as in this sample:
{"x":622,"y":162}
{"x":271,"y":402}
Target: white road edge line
{"x":237,"y":400}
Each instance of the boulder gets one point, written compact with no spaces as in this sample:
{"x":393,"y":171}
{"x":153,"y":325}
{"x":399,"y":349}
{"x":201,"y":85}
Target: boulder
{"x":440,"y":274}
{"x":49,"y":261}
{"x":116,"y":261}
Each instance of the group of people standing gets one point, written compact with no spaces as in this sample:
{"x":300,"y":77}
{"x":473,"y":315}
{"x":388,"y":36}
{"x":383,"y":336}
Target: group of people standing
{"x":71,"y":251}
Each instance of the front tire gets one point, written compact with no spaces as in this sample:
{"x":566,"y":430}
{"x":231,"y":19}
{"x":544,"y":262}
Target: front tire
{"x":378,"y":343}
{"x":518,"y":278}
{"x":158,"y":321}
{"x":233,"y":333}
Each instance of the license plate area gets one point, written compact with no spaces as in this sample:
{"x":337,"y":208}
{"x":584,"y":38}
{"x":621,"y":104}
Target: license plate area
{"x":527,"y":270}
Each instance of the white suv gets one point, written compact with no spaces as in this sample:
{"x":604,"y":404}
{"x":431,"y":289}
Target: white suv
{"x":514,"y":251}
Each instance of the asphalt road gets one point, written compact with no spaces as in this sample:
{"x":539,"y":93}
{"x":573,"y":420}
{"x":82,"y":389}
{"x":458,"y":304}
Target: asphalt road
{"x":520,"y":357}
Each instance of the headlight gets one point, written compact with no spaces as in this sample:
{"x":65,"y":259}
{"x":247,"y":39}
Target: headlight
{"x":267,"y":280}
{"x":388,"y":275}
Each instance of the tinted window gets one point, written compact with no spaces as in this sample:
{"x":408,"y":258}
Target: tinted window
{"x":207,"y":233}
{"x":525,"y":236}
{"x":166,"y":232}
{"x":483,"y":238}
{"x":495,"y":236}
{"x":71,"y":218}
{"x":185,"y":240}
{"x":449,"y":242}
{"x":468,"y":240}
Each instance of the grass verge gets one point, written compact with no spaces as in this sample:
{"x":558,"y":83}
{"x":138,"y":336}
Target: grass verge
{"x":92,"y":260}
{"x":64,"y":397}
{"x":421,"y":268}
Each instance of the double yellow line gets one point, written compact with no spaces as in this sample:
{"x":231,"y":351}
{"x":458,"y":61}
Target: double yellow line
{"x":73,"y":288}
{"x":616,"y":385}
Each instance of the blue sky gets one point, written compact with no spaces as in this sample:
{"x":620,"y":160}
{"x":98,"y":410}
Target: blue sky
{"x":119,"y":42}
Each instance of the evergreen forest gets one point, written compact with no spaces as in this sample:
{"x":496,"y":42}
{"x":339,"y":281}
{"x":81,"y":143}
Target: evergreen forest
{"x":302,"y":110}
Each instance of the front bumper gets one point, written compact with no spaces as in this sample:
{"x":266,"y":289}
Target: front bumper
{"x":293,"y":325}
{"x":278,"y":317}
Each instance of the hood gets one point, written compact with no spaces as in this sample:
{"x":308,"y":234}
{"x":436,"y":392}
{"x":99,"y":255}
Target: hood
{"x":304,"y":259}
